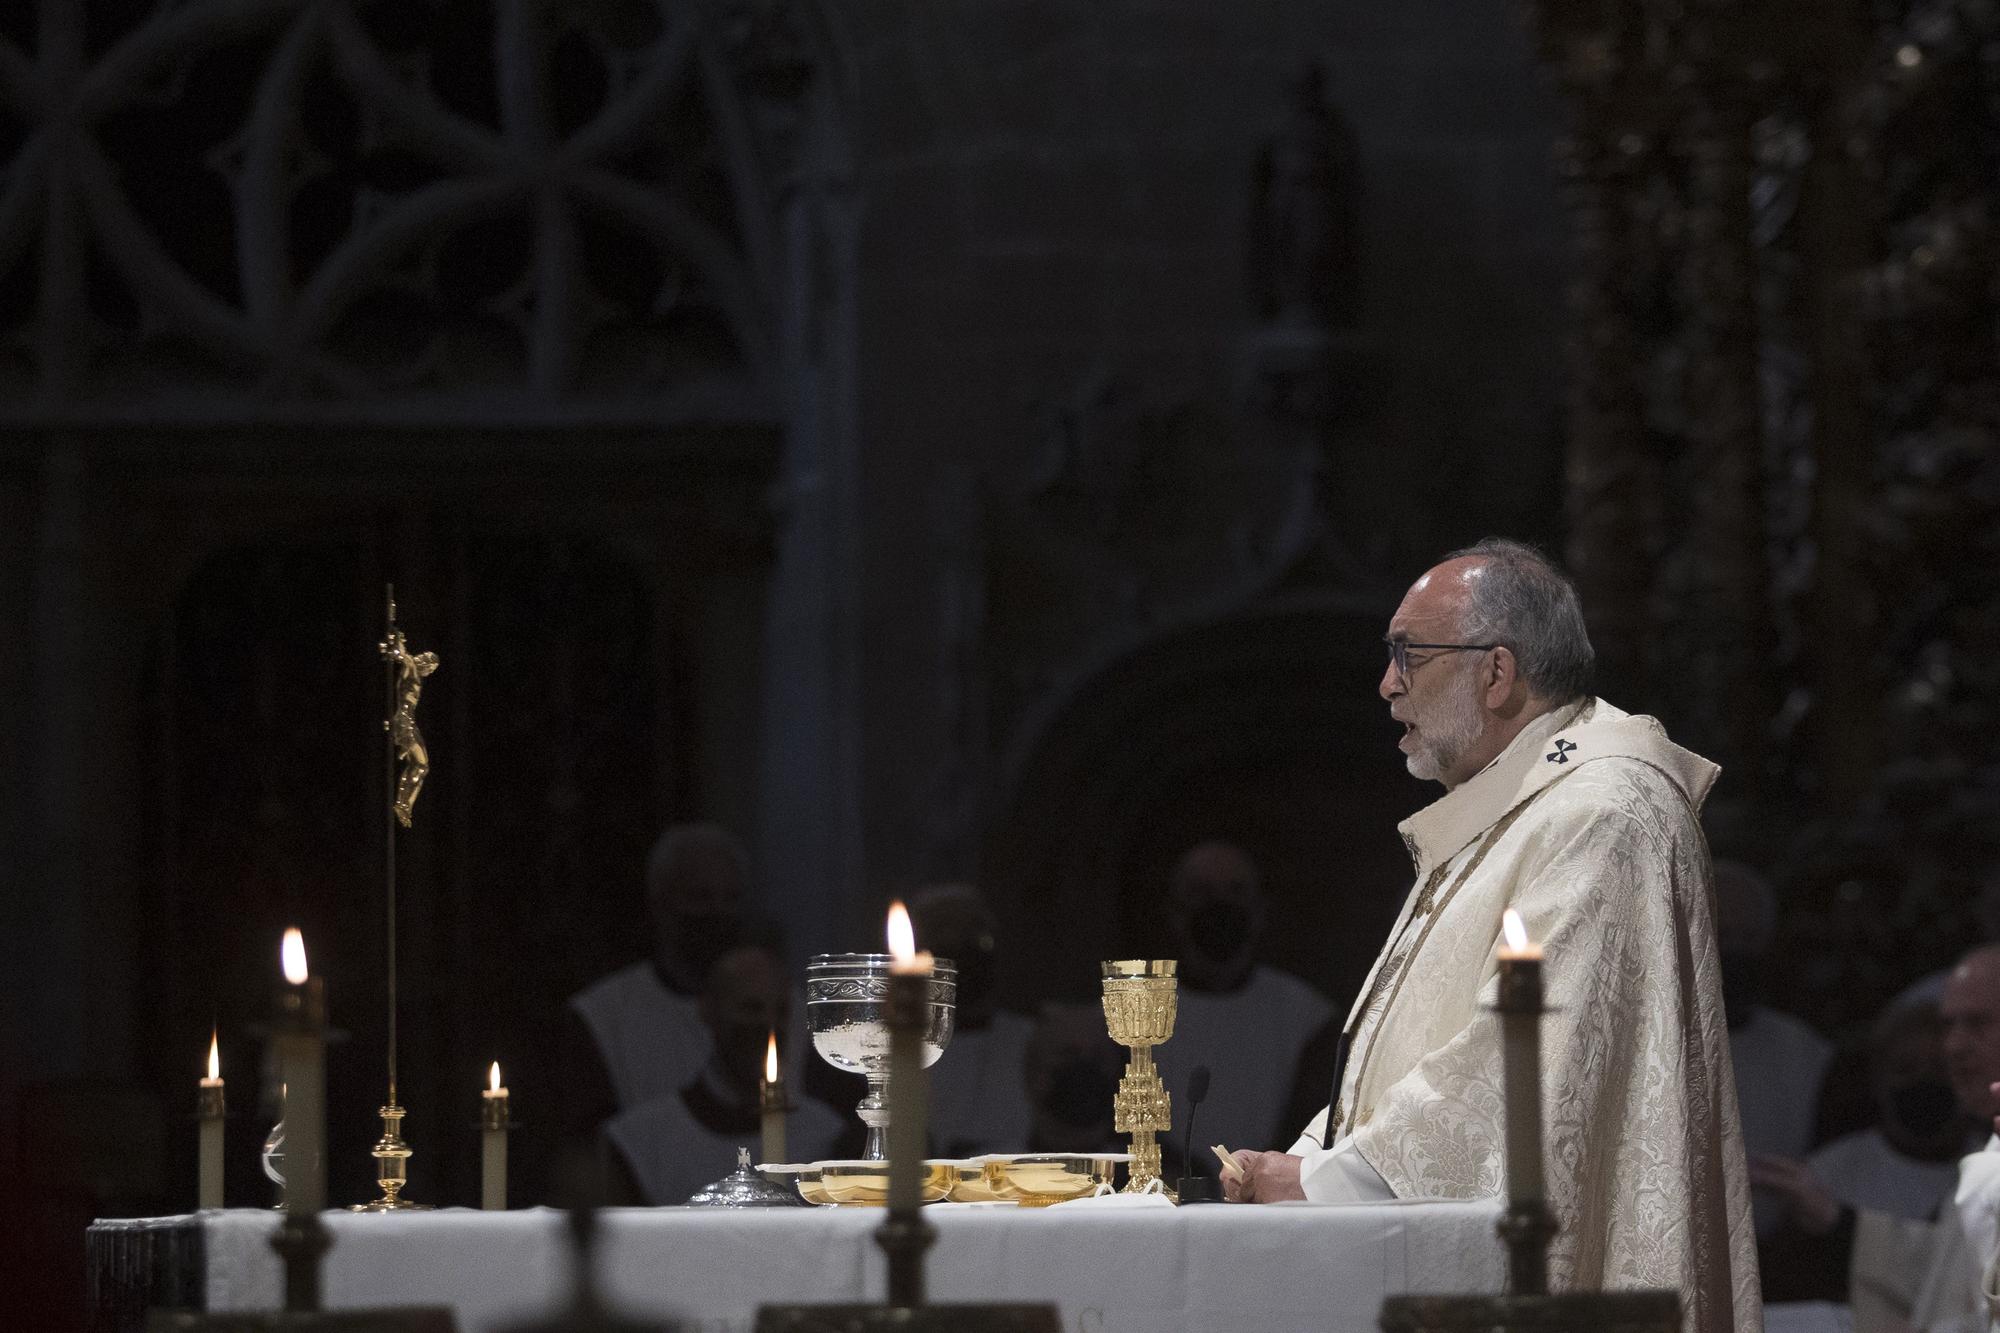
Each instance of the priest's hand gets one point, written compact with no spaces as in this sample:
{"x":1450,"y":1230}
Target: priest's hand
{"x":1814,"y":1210}
{"x":1267,"y":1178}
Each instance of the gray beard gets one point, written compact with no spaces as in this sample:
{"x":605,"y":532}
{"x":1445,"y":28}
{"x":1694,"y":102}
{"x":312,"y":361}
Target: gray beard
{"x":1444,"y":741}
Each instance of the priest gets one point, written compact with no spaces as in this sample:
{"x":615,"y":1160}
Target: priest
{"x":1585,"y":820}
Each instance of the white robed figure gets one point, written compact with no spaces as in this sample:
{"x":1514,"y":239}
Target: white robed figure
{"x":1584,"y":820}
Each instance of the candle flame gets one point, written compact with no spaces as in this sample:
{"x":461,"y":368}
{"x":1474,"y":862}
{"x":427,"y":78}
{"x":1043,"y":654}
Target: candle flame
{"x":493,"y":1077}
{"x":771,"y":1060}
{"x":293,"y":955}
{"x":902,"y":939}
{"x":1511,"y":927}
{"x":214,"y":1056}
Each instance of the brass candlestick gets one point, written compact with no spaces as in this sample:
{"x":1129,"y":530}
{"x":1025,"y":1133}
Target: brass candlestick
{"x":392,"y":1165}
{"x":1141,"y":1000}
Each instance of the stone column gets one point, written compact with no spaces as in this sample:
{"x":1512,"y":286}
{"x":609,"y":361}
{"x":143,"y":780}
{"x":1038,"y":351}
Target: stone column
{"x":1722,"y":684}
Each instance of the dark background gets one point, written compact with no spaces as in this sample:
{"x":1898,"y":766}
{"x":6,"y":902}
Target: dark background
{"x":898,"y":430}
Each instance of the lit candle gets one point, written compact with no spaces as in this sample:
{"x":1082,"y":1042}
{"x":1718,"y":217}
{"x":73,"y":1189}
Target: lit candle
{"x":771,"y":1102}
{"x":493,"y":1142}
{"x":209,"y":1110}
{"x":1521,"y":1017}
{"x":909,"y":1110}
{"x":904,"y":957}
{"x":300,"y":1038}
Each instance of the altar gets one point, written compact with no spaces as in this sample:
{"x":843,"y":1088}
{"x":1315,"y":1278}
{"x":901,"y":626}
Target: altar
{"x":1111,"y":1269}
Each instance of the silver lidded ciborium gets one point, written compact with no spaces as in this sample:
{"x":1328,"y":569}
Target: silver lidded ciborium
{"x":846,"y":1000}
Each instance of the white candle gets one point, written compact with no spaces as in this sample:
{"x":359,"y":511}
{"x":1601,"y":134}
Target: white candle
{"x":493,"y":1142}
{"x":301,"y":1046}
{"x":909,"y":1096}
{"x":771,"y":1102}
{"x":1521,"y":1020}
{"x":209,"y":1110}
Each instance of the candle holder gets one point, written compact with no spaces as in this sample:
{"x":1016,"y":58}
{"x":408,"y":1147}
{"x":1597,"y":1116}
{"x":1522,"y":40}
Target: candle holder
{"x":392,"y":1166}
{"x":1141,"y":1001}
{"x":846,"y":1005}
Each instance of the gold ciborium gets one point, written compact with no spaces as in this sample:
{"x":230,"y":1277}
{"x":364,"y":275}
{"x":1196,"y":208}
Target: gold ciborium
{"x":1141,"y":998}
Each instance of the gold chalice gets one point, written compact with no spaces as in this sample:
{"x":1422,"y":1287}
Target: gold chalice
{"x":1141,"y":998}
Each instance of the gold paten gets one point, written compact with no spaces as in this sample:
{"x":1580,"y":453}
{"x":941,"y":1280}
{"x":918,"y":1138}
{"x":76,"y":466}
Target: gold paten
{"x":1141,"y":1000}
{"x":866,"y":1184}
{"x":1040,"y":1179}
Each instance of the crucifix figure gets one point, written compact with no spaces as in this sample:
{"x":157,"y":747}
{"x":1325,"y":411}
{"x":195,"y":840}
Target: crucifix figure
{"x":402,"y":724}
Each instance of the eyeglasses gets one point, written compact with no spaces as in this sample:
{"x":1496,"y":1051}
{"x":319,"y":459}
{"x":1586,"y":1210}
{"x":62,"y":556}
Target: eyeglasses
{"x":1399,"y":652}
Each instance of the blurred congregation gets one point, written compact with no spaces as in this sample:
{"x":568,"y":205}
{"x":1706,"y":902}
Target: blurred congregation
{"x":1854,"y":1137}
{"x":665,"y":1056}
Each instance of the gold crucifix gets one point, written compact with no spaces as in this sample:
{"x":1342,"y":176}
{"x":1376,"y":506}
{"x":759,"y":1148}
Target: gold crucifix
{"x":401,"y":724}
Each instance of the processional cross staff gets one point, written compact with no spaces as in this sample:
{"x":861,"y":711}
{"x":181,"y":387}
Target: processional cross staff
{"x":405,"y":672}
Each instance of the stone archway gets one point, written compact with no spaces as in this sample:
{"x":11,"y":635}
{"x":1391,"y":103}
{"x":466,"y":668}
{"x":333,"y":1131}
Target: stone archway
{"x":1261,"y":727}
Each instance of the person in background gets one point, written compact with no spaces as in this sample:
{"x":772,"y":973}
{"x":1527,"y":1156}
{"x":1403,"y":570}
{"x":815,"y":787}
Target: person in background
{"x":1072,"y":1069}
{"x":1906,"y":1163}
{"x":1960,"y":1290}
{"x":636,"y":1035}
{"x":1779,"y":1060}
{"x":979,"y":1100}
{"x":1249,"y":1023}
{"x":1897,"y":1273}
{"x":665,"y":1149}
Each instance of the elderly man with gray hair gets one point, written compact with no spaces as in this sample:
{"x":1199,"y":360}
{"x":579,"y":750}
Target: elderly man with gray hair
{"x":1584,"y":820}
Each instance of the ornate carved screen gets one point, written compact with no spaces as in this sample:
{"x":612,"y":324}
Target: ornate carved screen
{"x":446,"y":210}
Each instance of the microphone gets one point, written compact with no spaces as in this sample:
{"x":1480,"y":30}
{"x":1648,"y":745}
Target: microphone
{"x":1195,"y":1187}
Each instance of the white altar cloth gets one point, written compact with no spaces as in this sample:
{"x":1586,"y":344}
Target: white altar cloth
{"x":1215,"y":1267}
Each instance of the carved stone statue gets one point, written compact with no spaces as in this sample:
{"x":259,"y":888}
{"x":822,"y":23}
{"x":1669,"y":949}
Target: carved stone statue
{"x":1305,"y":215}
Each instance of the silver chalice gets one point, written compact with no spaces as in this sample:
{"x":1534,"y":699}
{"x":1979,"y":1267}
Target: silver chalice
{"x":846,"y":995}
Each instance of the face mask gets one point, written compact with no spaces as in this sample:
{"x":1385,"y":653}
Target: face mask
{"x":1923,"y":1108}
{"x":1742,"y":986}
{"x":700,"y":940}
{"x":1220,"y":932}
{"x":1080,"y":1094}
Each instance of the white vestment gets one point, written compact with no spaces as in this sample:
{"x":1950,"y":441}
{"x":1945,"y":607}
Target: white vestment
{"x":1250,"y":1039}
{"x":1779,"y":1063}
{"x":1959,"y":1293}
{"x":979,"y":1091}
{"x":1587,"y":825}
{"x":672,"y":1154}
{"x":653,"y":1040}
{"x":1863,"y":1171}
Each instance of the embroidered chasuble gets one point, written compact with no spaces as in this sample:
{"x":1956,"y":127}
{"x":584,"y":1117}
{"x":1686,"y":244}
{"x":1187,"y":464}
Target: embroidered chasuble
{"x":1587,"y":825}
